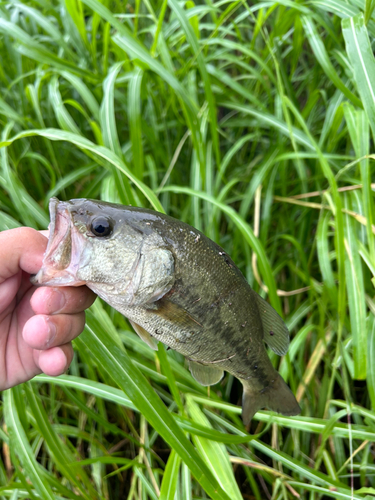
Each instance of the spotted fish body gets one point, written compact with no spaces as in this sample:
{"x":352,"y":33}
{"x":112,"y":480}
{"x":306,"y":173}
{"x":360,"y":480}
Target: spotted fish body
{"x":176,"y":286}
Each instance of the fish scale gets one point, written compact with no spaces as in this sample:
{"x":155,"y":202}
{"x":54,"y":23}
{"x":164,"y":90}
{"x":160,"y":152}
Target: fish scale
{"x":176,"y":286}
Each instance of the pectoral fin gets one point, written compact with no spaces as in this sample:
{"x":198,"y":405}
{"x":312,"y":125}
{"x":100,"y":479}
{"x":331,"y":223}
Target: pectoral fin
{"x":176,"y":314}
{"x":275,"y":332}
{"x":205,"y":375}
{"x":145,"y":336}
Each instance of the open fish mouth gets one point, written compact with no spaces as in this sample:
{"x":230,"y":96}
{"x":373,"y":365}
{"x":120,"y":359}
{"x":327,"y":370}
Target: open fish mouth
{"x":65,"y":245}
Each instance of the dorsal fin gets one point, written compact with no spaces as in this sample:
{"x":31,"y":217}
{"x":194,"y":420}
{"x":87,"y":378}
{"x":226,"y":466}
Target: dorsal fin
{"x":205,"y":375}
{"x":275,"y":332}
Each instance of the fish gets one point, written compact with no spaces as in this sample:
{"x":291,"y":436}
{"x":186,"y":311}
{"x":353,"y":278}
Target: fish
{"x":175,"y":286}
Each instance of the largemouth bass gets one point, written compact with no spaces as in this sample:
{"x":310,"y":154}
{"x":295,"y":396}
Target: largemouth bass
{"x":176,"y":286}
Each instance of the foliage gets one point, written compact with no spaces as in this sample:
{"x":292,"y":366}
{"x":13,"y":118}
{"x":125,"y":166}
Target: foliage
{"x":254,"y":122}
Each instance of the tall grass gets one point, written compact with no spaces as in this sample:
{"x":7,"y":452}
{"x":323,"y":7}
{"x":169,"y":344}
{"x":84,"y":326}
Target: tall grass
{"x":255,"y":123}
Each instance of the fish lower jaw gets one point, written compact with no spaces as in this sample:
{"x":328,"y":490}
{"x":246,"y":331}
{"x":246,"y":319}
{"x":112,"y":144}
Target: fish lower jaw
{"x":51,"y":277}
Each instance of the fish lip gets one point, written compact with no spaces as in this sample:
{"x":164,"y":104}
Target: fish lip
{"x":60,"y":232}
{"x":53,"y":204}
{"x":59,"y":253}
{"x":40,"y":276}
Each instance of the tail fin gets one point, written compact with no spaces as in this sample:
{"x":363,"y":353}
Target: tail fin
{"x":276,"y":397}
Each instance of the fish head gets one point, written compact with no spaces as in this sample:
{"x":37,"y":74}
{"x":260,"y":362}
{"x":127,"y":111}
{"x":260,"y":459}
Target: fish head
{"x":100,"y":245}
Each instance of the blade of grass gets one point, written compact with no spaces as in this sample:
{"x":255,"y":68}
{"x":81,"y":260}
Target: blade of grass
{"x":298,"y":467}
{"x":270,"y":121}
{"x":170,"y":479}
{"x":360,"y":54}
{"x":324,"y":255}
{"x":75,"y":10}
{"x":369,"y":9}
{"x":84,"y":92}
{"x":109,"y":133}
{"x":371,"y":353}
{"x":166,"y":368}
{"x":134,"y":113}
{"x":107,"y":111}
{"x":91,"y":387}
{"x":358,"y":127}
{"x":214,"y":454}
{"x":356,"y":296}
{"x":321,"y":54}
{"x":338,"y":7}
{"x":63,"y":118}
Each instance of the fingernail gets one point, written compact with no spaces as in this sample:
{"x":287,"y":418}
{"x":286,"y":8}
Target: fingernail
{"x":51,"y":332}
{"x":56,"y":301}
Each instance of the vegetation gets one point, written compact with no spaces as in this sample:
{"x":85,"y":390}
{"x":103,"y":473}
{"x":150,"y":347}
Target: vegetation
{"x":254,"y":122}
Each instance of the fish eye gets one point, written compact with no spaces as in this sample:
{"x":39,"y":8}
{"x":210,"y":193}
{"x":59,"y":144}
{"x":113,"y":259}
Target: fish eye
{"x":101,"y":227}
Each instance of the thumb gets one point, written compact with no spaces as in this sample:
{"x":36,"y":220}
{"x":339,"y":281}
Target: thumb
{"x":21,"y":248}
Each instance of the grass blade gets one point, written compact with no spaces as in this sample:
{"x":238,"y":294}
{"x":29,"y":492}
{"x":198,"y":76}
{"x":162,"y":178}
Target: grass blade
{"x":322,"y":56}
{"x":135,"y":110}
{"x":356,"y":296}
{"x":91,"y":387}
{"x":324,"y":255}
{"x":107,"y":112}
{"x":370,"y":365}
{"x":268,"y":120}
{"x":170,"y":478}
{"x":214,"y":454}
{"x":363,"y":63}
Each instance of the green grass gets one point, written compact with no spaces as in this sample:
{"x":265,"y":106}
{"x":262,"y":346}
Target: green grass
{"x":255,"y":123}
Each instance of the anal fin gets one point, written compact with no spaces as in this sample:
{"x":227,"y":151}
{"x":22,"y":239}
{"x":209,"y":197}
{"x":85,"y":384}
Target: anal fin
{"x":145,"y":336}
{"x":205,"y":375}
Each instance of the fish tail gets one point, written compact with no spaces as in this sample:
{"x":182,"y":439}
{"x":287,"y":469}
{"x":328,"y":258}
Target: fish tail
{"x":275,"y":397}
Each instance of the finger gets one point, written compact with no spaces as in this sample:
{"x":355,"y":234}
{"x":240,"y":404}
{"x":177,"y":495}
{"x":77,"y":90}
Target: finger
{"x":55,"y":361}
{"x":43,"y":332}
{"x":68,"y":300}
{"x":21,"y":248}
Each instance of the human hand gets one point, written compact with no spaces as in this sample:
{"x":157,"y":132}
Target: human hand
{"x":37,"y":324}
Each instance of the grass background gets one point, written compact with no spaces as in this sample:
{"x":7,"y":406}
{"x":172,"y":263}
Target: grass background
{"x":254,"y":122}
